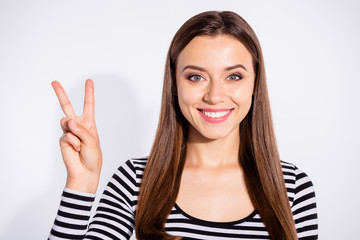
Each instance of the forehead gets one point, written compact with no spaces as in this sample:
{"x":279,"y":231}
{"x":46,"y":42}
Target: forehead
{"x":214,"y":52}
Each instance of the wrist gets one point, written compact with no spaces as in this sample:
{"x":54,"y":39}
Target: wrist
{"x":86,"y":185}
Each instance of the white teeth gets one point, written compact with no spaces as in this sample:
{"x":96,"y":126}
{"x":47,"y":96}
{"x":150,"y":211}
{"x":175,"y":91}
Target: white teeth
{"x":215,"y":114}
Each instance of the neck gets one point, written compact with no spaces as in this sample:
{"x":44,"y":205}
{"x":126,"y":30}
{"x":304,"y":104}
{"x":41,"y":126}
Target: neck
{"x":210,"y":153}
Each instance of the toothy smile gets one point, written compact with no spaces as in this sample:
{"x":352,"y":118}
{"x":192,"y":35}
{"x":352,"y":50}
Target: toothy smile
{"x":215,"y":114}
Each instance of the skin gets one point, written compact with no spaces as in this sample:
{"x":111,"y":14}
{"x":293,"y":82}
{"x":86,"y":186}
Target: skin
{"x":79,"y":144}
{"x":212,"y":185}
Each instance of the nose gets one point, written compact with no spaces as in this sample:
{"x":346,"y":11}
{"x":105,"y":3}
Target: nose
{"x":214,"y":93}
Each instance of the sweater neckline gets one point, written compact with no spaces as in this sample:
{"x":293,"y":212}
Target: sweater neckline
{"x":213,"y":223}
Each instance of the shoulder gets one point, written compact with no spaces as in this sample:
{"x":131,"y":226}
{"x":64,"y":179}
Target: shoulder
{"x":135,"y":166}
{"x":131,"y":171}
{"x":125,"y":182}
{"x":297,"y":182}
{"x":302,"y":201}
{"x":138,"y":163}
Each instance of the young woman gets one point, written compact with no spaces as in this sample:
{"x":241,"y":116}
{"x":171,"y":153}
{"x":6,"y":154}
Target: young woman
{"x":214,"y":170}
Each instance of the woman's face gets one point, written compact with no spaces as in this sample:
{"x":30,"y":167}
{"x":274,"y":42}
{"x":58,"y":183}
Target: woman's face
{"x":215,"y":82}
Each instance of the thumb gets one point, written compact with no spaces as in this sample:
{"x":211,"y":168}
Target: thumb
{"x":82,"y":133}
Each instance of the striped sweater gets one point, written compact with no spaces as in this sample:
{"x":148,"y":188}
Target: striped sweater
{"x":115,"y":214}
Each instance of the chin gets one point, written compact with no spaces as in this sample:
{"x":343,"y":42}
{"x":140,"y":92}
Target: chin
{"x":211,"y":135}
{"x":214,"y":136}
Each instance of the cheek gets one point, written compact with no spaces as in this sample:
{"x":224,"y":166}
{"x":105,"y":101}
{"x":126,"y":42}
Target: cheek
{"x":188,"y":99}
{"x":241,"y":96}
{"x":188,"y":96}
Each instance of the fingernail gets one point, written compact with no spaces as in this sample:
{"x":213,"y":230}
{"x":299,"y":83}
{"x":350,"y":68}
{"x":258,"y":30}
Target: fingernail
{"x":78,"y":149}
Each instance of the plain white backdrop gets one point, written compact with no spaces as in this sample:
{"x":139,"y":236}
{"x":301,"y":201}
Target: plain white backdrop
{"x":311,"y":51}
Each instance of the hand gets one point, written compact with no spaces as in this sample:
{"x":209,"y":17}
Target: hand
{"x":80,"y":146}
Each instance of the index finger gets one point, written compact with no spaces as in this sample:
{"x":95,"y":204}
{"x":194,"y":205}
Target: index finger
{"x":63,"y":99}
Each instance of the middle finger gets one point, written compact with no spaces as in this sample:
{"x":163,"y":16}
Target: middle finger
{"x":63,"y":99}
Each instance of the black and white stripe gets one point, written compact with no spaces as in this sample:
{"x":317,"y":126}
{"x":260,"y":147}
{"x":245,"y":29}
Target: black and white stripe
{"x":114,"y":217}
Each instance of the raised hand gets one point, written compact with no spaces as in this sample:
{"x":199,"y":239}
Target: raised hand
{"x":80,"y":146}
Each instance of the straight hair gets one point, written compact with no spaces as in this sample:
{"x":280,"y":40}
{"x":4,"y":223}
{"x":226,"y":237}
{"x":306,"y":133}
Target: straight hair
{"x":258,"y":152}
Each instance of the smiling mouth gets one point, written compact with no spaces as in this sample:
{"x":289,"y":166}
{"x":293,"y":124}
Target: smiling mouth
{"x":215,"y":113}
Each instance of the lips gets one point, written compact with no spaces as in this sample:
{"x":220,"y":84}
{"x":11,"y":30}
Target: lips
{"x":215,"y":115}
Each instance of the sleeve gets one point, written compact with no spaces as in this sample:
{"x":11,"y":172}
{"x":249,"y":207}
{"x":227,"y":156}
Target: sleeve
{"x":304,"y":207}
{"x":114,"y":217}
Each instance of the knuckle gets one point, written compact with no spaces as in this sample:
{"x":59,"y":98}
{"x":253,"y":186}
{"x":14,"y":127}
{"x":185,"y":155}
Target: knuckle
{"x":66,"y":137}
{"x":62,"y":139}
{"x":63,"y":122}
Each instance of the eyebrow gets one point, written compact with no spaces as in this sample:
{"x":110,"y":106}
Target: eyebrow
{"x":204,"y":70}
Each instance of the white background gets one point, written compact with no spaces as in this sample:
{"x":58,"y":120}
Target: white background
{"x":311,"y":51}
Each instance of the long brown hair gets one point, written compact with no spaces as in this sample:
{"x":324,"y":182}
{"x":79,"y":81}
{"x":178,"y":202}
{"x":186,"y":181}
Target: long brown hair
{"x":258,"y":153}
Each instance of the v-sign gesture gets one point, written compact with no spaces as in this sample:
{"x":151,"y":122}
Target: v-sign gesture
{"x":80,"y":147}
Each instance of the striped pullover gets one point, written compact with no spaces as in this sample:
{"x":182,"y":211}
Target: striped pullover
{"x":115,"y":215}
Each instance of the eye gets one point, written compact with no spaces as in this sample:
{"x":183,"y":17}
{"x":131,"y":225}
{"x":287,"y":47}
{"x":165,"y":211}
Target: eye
{"x":195,"y":78}
{"x":234,"y":77}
